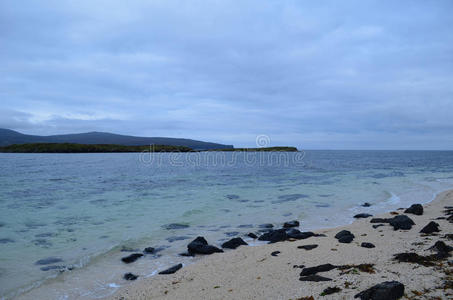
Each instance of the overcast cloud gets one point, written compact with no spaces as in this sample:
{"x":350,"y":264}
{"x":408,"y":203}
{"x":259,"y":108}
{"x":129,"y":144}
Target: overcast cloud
{"x":313,"y":74}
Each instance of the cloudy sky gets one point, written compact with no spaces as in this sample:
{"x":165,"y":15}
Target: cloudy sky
{"x":313,"y":74}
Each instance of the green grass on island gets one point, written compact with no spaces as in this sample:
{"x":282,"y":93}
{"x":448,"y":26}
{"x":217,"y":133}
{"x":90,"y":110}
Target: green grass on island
{"x":264,"y":149}
{"x":88,"y":148}
{"x":110,"y":148}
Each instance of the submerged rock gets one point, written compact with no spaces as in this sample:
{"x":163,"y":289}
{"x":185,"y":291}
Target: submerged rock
{"x":200,"y":246}
{"x":266,"y":226}
{"x":388,"y":290}
{"x":362,"y":216}
{"x":430,"y":228}
{"x":171,"y":270}
{"x":291,"y":224}
{"x":366,"y":204}
{"x":131,"y":258}
{"x":252,"y":235}
{"x":49,"y":268}
{"x":48,"y":261}
{"x":130,"y":276}
{"x":344,"y":236}
{"x":415,"y":209}
{"x":367,"y":245}
{"x":317,"y":269}
{"x":234,"y":243}
{"x":149,"y":250}
{"x":175,"y":226}
{"x":401,"y":222}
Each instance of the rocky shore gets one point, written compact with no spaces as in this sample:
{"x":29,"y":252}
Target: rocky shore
{"x":404,"y":254}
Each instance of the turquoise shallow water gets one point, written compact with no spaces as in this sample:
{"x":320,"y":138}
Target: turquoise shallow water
{"x":82,"y":208}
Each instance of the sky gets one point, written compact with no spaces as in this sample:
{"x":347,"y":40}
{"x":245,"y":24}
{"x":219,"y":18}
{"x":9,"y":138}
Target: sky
{"x":310,"y":74}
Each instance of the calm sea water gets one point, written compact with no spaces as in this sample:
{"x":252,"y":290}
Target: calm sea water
{"x":83,"y":208}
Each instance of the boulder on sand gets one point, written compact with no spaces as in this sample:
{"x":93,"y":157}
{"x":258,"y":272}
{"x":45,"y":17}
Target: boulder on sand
{"x":388,"y":290}
{"x":200,"y":246}
{"x":415,"y":209}
{"x":234,"y":243}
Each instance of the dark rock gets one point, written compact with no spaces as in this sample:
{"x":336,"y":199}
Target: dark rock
{"x":48,"y":261}
{"x":315,"y":278}
{"x":360,"y":216}
{"x":266,"y":226}
{"x":175,"y":226}
{"x":291,"y":224}
{"x":344,"y":236}
{"x":307,"y":247}
{"x":171,"y":270}
{"x":367,"y":245}
{"x":131,"y":258}
{"x":186,"y":254}
{"x":440,"y":246}
{"x":149,"y":250}
{"x":317,"y":269}
{"x":412,"y":257}
{"x":430,"y":228}
{"x":234,"y":243}
{"x":330,"y":291}
{"x":296,"y":234}
{"x":200,"y":246}
{"x":388,"y":290}
{"x":252,"y":235}
{"x":130,"y":276}
{"x":380,"y":220}
{"x":275,"y":253}
{"x":245,"y":226}
{"x":415,"y":209}
{"x":274,"y":236}
{"x":401,"y":222}
{"x":377,"y":225}
{"x":366,"y":204}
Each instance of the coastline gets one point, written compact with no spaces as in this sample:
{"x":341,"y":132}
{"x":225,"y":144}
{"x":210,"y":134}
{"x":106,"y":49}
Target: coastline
{"x":252,"y":273}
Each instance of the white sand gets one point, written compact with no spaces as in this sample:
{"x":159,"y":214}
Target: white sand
{"x":252,"y":273}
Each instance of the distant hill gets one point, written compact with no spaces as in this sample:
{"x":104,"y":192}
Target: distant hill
{"x":9,"y":137}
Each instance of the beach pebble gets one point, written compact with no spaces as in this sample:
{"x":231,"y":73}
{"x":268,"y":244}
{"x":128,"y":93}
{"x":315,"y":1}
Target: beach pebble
{"x":200,"y":246}
{"x":440,"y":246}
{"x":130,"y":276}
{"x":388,"y":290}
{"x":131,"y":258}
{"x":291,"y":224}
{"x":430,"y":228}
{"x":416,"y":209}
{"x":307,"y":247}
{"x":359,"y":216}
{"x":367,"y":245}
{"x":401,"y":222}
{"x":275,"y":253}
{"x":377,"y":225}
{"x":234,"y":243}
{"x":171,"y":270}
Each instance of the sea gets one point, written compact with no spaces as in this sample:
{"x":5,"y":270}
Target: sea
{"x":66,"y":220}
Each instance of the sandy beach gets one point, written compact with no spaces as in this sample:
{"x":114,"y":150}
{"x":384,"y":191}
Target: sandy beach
{"x":253,"y":273}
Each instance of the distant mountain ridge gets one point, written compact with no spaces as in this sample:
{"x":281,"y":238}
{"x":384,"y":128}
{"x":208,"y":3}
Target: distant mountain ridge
{"x":9,"y":137}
